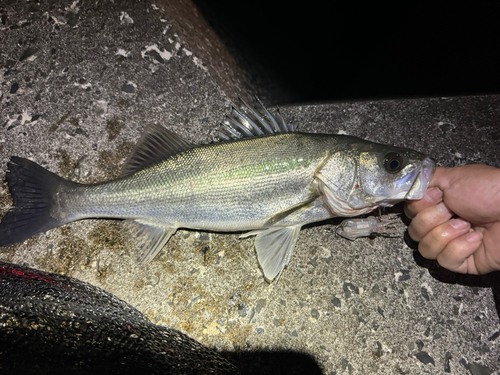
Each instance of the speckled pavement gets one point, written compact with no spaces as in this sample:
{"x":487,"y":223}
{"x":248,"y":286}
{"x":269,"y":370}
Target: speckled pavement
{"x":80,"y":81}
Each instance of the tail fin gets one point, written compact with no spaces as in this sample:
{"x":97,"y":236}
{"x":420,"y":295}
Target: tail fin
{"x":32,"y":188}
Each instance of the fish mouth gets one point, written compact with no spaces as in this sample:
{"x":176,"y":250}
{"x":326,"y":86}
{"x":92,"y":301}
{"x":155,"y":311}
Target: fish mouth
{"x":422,"y":180}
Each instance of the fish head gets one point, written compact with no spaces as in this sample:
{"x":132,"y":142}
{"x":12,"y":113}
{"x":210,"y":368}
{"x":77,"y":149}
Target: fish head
{"x":368,"y":175}
{"x":388,"y":175}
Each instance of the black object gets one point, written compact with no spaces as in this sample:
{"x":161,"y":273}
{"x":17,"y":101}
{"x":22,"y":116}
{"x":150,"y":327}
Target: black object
{"x":54,"y":324}
{"x":332,"y":50}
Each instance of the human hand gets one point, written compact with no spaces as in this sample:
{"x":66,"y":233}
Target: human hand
{"x":457,"y":222}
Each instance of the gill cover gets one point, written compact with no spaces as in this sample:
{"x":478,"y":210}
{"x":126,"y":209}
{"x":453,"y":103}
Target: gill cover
{"x":336,"y":178}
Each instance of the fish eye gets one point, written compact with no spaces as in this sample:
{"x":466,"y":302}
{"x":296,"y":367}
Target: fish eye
{"x":393,"y":162}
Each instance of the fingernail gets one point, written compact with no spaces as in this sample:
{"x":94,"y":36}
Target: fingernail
{"x":433,"y":194}
{"x":443,"y":209}
{"x":474,"y":236}
{"x":459,"y":223}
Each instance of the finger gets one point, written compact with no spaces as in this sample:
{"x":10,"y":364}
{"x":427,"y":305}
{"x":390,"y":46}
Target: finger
{"x":487,"y":257}
{"x":459,"y":184}
{"x":457,"y":256}
{"x":434,"y":242}
{"x":441,"y":178}
{"x":432,"y":197}
{"x":428,"y":219}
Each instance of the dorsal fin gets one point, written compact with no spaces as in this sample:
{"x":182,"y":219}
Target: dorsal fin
{"x":250,"y":122}
{"x":156,"y":143}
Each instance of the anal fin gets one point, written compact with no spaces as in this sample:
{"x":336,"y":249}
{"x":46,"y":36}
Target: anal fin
{"x":274,"y":246}
{"x":149,"y":238}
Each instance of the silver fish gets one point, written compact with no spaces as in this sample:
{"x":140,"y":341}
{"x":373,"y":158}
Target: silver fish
{"x":264,"y":177}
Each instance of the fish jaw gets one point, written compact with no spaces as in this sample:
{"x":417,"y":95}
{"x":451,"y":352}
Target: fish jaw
{"x":423,"y":179}
{"x":417,"y":180}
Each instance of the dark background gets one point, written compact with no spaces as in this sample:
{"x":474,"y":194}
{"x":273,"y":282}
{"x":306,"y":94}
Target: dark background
{"x":324,"y":51}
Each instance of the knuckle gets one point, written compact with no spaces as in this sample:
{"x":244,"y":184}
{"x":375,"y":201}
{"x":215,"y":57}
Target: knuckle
{"x":412,"y":233}
{"x":434,"y":242}
{"x":462,"y":248}
{"x":432,"y":217}
{"x":425,"y":251}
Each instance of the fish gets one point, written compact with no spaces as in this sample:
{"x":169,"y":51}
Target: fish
{"x":262,"y":177}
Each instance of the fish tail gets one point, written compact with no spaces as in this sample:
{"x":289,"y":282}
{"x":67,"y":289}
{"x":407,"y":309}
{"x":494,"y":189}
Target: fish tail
{"x":33,"y":190}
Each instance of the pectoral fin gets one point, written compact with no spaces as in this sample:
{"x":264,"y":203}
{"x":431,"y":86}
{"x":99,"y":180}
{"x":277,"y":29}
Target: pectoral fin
{"x":274,"y":247}
{"x":150,"y":238}
{"x":293,"y":210}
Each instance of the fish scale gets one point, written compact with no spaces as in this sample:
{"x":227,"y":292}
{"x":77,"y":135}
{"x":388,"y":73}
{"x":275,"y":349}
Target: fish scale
{"x":234,"y":193}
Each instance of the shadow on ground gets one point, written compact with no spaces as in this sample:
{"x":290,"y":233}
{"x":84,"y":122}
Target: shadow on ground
{"x":491,"y":280}
{"x":274,"y":362}
{"x":257,"y":362}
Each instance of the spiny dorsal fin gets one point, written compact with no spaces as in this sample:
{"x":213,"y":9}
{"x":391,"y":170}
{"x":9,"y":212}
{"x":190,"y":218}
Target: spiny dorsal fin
{"x":250,"y":122}
{"x":155,"y":144}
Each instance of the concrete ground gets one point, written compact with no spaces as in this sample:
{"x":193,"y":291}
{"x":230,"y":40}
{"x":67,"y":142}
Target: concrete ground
{"x":80,"y":81}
